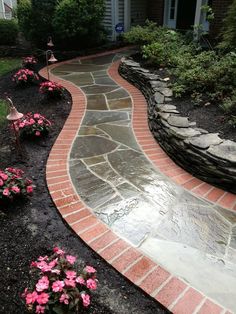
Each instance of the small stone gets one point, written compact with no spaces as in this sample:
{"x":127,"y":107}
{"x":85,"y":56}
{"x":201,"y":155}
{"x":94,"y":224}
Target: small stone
{"x":164,"y":115}
{"x":168,"y":99}
{"x":225,"y":151}
{"x":181,"y":122}
{"x":131,"y":63}
{"x":206,"y":140}
{"x":183,"y":133}
{"x":159,"y":98}
{"x":167,"y":92}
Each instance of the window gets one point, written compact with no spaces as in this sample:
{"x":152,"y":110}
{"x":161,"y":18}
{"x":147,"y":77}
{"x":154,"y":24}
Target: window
{"x":172,"y":9}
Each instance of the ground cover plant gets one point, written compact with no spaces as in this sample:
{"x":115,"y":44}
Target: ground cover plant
{"x":31,"y":227}
{"x":8,"y":64}
{"x":205,"y":76}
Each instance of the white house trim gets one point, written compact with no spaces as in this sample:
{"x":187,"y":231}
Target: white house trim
{"x":197,"y":19}
{"x":2,"y":10}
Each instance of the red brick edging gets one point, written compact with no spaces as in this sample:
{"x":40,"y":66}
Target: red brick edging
{"x":172,"y":292}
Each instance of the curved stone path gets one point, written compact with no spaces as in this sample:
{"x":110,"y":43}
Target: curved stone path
{"x":178,"y":248}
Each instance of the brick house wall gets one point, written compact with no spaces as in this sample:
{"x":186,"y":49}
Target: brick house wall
{"x":219,"y":8}
{"x":155,"y":11}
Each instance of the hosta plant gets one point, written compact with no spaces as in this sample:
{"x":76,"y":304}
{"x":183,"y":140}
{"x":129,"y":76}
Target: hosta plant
{"x":25,"y":77}
{"x":33,"y":125}
{"x":59,"y":287}
{"x":51,"y":89}
{"x":29,"y":62}
{"x":14,"y":184}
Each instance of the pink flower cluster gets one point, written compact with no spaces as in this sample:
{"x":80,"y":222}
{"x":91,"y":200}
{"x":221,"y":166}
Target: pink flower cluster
{"x":13,"y":184}
{"x":60,"y":284}
{"x":33,"y":124}
{"x":24,"y":77}
{"x":51,"y":89}
{"x":28,"y":62}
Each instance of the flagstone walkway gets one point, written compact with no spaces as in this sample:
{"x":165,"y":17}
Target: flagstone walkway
{"x":104,"y":177}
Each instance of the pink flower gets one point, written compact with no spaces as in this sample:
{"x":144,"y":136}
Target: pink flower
{"x":86,"y":299}
{"x":1,"y":182}
{"x":90,"y":269}
{"x":15,"y":189}
{"x":31,"y":121}
{"x":56,"y":271}
{"x":80,"y":280}
{"x":40,"y":309}
{"x":70,"y":283}
{"x":70,"y":274}
{"x":43,"y":258}
{"x":57,"y":286}
{"x":42,"y":298}
{"x":91,"y":284}
{"x":50,"y":89}
{"x":58,"y":251}
{"x":71,"y":259}
{"x":29,"y":189}
{"x":6,"y":192}
{"x":42,"y":284}
{"x":37,"y":133}
{"x":31,"y":297}
{"x":64,"y":298}
{"x":40,"y":121}
{"x":36,"y":116}
{"x":3,"y":176}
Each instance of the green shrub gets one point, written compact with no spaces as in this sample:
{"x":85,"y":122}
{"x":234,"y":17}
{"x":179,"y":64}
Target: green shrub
{"x":229,"y":30}
{"x":78,"y":22}
{"x":206,"y":74}
{"x":8,"y":32}
{"x":24,"y":15}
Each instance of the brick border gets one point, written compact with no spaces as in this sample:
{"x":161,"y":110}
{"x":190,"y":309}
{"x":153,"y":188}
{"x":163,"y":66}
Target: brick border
{"x":170,"y":291}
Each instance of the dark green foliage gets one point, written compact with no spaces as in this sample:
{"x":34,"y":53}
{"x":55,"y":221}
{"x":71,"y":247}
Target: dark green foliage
{"x":8,"y":32}
{"x":24,"y":15}
{"x":229,"y":31}
{"x":78,"y":22}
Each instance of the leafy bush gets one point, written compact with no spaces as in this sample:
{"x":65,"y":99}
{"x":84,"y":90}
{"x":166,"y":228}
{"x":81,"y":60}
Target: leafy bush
{"x":51,"y":89}
{"x":206,"y":73}
{"x":229,"y":30}
{"x":60,"y":286}
{"x":25,"y":77}
{"x":8,"y":31}
{"x":24,"y":16}
{"x":33,"y":125}
{"x":78,"y":22}
{"x":13,"y":184}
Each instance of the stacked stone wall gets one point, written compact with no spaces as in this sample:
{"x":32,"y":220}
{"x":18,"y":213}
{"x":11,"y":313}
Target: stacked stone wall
{"x":203,"y":154}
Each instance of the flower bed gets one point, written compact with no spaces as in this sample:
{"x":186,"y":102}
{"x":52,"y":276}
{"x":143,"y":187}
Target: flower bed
{"x":25,"y":77}
{"x":14,"y":184}
{"x":60,"y":287}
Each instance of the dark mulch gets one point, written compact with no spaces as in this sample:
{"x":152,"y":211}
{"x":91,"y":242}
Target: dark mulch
{"x":209,"y":117}
{"x":31,"y":228}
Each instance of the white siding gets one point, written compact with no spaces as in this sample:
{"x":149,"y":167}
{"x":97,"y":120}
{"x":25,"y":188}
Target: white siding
{"x":138,"y":12}
{"x":107,"y":21}
{"x":2,"y":10}
{"x":121,"y":13}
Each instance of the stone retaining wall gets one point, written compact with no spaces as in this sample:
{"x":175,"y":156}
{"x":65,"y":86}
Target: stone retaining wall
{"x":203,"y":154}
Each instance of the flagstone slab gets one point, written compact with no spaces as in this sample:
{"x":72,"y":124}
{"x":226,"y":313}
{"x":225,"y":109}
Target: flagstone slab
{"x":69,"y":67}
{"x":92,"y":189}
{"x":96,"y":102}
{"x":122,"y":134}
{"x":121,"y":93}
{"x":94,"y":160}
{"x":120,"y":103}
{"x":98,"y":89}
{"x":80,"y":79}
{"x":104,"y":171}
{"x":95,"y":117}
{"x":89,"y":146}
{"x":99,"y":60}
{"x":105,"y":81}
{"x":90,"y":130}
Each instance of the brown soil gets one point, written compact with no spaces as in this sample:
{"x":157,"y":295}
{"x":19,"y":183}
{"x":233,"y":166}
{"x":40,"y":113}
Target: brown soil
{"x":33,"y":227}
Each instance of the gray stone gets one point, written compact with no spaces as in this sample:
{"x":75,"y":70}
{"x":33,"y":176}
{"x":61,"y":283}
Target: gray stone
{"x":95,"y":117}
{"x":90,"y":188}
{"x":90,"y":146}
{"x":167,"y":92}
{"x":180,"y":122}
{"x":206,"y":140}
{"x":184,"y":133}
{"x":164,"y":115}
{"x":226,"y":151}
{"x":105,"y":172}
{"x":159,"y":98}
{"x":131,"y":63}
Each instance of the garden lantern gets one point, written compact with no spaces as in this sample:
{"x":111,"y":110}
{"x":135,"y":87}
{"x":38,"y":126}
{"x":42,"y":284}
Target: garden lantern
{"x":52,"y":59}
{"x":12,"y":117}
